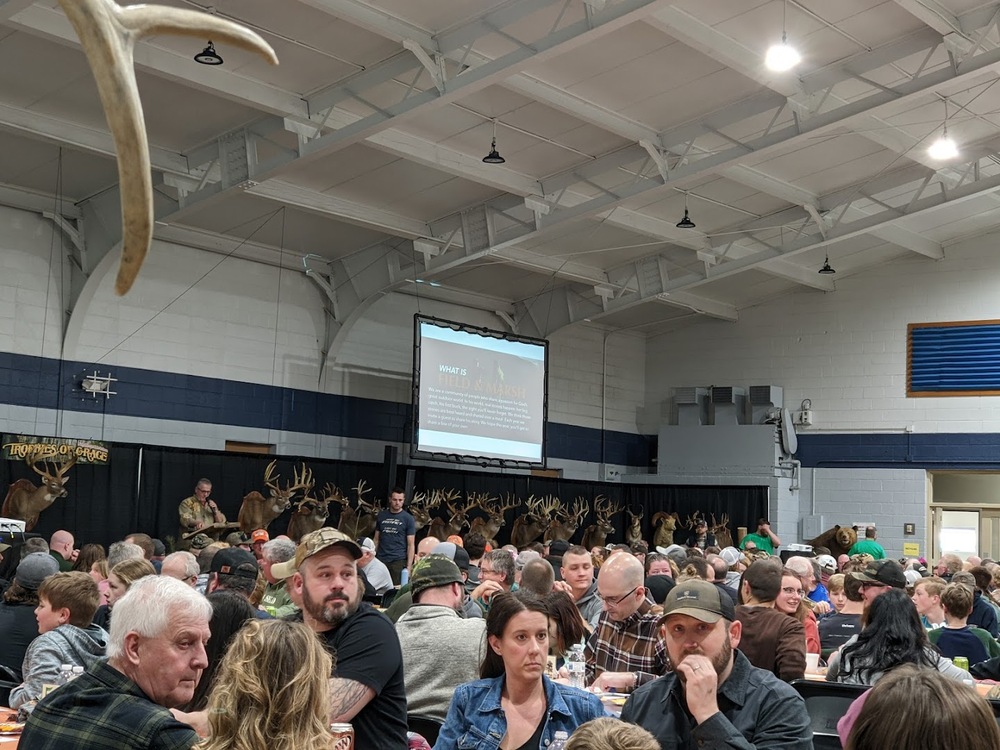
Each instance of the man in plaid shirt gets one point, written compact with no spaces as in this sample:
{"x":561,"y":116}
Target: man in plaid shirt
{"x":156,"y":655}
{"x":625,"y":649}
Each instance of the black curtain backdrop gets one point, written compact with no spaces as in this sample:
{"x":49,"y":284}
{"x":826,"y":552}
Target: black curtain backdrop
{"x":141,"y":486}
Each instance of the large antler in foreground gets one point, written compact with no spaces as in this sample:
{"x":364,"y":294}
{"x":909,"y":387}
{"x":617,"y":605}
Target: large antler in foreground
{"x":108,"y":34}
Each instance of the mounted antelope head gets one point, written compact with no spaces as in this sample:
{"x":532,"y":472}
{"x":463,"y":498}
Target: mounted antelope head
{"x":26,"y":502}
{"x":490,"y":526}
{"x":311,"y":513}
{"x":565,"y":523}
{"x":533,"y":522}
{"x":258,"y":511}
{"x":633,"y":534}
{"x":596,"y":534}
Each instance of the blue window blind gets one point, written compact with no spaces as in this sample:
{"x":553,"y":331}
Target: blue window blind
{"x":953,"y":359}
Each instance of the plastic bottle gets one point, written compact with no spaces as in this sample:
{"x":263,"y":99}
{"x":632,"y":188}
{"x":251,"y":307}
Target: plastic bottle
{"x":77,"y":671}
{"x":65,"y":673}
{"x":576,"y":665}
{"x":559,"y":741}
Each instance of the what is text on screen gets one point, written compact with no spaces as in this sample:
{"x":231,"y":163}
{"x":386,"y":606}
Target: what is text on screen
{"x":478,"y":394}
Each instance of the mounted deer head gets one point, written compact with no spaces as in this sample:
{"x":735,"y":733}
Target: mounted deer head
{"x":257,"y":512}
{"x":26,"y":502}
{"x":723,"y":536}
{"x":421,"y":506}
{"x":311,"y":513}
{"x":596,"y":534}
{"x":490,"y":526}
{"x":566,"y":523}
{"x":360,"y":522}
{"x":532,"y":524}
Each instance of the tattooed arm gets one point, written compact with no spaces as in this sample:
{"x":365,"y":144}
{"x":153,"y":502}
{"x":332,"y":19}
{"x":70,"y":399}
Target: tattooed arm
{"x":347,"y":698}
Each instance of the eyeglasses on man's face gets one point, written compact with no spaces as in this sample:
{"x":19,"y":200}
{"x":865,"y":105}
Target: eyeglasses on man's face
{"x":615,"y":600}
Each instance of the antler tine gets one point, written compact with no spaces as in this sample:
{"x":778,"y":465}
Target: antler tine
{"x":270,"y":478}
{"x":34,"y":467}
{"x":361,"y":489}
{"x":419,"y":498}
{"x":61,"y":471}
{"x":509,"y":503}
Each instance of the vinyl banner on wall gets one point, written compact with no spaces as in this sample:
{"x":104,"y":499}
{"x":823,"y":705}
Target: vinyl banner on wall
{"x":56,"y":450}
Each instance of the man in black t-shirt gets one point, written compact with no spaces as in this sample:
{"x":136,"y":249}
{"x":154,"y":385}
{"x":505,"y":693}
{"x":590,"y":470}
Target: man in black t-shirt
{"x":367,"y":687}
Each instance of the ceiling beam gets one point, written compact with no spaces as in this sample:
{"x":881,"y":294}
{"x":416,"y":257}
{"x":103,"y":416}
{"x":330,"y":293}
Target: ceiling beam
{"x":10,"y":8}
{"x":51,"y":24}
{"x":32,"y":200}
{"x":839,"y":233}
{"x":933,"y":14}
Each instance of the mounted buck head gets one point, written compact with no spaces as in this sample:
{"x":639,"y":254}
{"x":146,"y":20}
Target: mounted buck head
{"x":566,"y":523}
{"x":25,"y":501}
{"x":491,"y":525}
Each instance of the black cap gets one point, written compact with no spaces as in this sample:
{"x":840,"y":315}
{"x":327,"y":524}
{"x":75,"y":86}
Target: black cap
{"x":886,"y":572}
{"x":234,"y":561}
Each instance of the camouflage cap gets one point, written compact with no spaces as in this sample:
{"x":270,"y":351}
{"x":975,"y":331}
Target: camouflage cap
{"x":311,"y":544}
{"x":432,"y":571}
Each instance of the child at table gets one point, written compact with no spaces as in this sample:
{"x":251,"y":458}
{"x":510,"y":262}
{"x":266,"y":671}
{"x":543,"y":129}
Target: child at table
{"x":66,"y":606}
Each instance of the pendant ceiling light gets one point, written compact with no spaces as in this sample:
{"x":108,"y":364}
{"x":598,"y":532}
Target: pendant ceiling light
{"x":827,"y":269}
{"x":208,"y":56}
{"x":493,"y":157}
{"x":943,"y":148}
{"x":782,"y":57}
{"x":686,"y":222}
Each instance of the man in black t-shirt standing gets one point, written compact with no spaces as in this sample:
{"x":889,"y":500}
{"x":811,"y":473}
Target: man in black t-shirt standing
{"x":367,"y":686}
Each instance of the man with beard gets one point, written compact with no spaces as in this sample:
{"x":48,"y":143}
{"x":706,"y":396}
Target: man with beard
{"x":367,"y":686}
{"x":715,"y":698}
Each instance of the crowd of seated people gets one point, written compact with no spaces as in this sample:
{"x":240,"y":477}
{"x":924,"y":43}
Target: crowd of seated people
{"x":472,"y":652}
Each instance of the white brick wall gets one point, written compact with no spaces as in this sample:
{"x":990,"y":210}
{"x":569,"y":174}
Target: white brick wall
{"x":31,"y":296}
{"x":575,"y":378}
{"x":199,"y":313}
{"x":846,"y":351}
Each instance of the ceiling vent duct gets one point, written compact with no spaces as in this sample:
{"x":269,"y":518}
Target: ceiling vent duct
{"x":728,"y":405}
{"x":692,"y":406}
{"x":765,"y":403}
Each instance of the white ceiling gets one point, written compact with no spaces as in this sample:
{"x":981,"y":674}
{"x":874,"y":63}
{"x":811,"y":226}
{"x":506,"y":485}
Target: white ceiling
{"x":611,"y":114}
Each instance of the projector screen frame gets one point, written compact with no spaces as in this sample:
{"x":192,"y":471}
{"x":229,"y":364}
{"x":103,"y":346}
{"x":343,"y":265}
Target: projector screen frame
{"x":468,"y":458}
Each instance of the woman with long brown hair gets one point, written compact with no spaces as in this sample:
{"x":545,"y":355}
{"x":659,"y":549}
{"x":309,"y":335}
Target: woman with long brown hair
{"x":791,"y":601}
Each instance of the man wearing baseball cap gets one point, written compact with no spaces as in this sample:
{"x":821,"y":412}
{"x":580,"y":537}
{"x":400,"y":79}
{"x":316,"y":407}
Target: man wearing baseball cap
{"x":878,"y":577}
{"x":715,"y":698}
{"x":367,"y":689}
{"x":441,"y":649}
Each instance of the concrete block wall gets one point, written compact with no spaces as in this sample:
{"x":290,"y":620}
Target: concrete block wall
{"x":887,"y":497}
{"x":203,"y":314}
{"x":32,"y":278}
{"x":846,"y":351}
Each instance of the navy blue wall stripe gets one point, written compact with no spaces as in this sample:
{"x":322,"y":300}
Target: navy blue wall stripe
{"x":901,"y":451}
{"x":53,"y":384}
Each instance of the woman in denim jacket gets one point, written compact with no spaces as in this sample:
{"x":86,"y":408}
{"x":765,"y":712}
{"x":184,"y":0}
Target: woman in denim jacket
{"x":515,"y":706}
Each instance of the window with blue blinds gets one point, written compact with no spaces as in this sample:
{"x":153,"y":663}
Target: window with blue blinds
{"x":953,"y":359}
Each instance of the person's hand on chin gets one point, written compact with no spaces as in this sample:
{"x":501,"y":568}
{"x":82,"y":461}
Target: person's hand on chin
{"x":700,"y":686}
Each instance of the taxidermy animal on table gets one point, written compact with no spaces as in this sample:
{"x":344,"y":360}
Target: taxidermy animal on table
{"x":108,"y":33}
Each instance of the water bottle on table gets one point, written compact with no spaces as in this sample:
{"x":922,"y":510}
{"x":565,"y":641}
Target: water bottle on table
{"x":577,"y":667}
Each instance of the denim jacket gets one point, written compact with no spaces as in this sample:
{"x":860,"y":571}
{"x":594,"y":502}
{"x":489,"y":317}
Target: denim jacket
{"x":476,"y":720}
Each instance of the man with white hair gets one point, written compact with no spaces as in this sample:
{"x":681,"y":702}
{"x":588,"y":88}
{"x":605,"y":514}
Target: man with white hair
{"x":276,"y":600}
{"x":119,"y":551}
{"x":376,"y":572}
{"x":181,"y":565}
{"x":156,"y":654}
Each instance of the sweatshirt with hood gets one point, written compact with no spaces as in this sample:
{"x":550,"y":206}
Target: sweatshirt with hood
{"x":66,"y":644}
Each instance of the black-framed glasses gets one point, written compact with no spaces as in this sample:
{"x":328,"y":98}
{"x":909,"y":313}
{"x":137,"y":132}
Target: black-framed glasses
{"x":792,"y":592}
{"x":614,"y":600}
{"x":873,"y":585}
